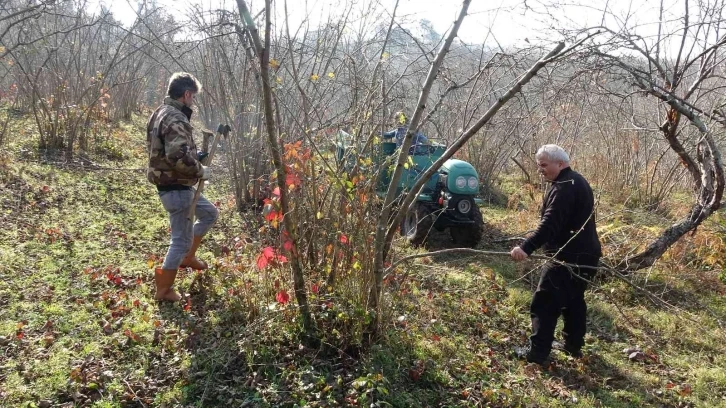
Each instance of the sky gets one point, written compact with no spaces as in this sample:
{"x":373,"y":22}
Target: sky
{"x":495,"y":22}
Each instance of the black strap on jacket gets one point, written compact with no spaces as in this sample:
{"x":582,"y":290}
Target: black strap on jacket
{"x":173,"y":187}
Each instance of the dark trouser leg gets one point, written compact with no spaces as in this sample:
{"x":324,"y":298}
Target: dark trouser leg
{"x":575,"y":312}
{"x":575,"y":318}
{"x":545,"y":309}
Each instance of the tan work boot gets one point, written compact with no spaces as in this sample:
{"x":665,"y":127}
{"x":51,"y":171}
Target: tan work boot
{"x":164,"y":279}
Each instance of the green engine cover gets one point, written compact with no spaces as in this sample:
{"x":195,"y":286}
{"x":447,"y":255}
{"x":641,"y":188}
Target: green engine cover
{"x":454,"y":169}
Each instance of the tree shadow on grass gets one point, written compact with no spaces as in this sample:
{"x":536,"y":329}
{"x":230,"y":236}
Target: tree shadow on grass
{"x":493,"y":239}
{"x":237,"y":359}
{"x":613,"y":386}
{"x":200,"y":325}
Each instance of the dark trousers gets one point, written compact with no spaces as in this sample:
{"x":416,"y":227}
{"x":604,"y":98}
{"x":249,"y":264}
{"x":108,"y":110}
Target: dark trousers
{"x":561,"y":291}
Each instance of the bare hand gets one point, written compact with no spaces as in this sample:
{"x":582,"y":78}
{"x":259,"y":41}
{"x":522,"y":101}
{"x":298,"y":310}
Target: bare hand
{"x":518,"y":254}
{"x":206,"y":173}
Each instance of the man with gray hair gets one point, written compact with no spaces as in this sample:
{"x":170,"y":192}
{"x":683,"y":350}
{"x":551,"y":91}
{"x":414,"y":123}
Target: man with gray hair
{"x":567,"y":233}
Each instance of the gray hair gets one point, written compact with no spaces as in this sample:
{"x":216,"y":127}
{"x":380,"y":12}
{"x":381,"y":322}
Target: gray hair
{"x":552,"y":152}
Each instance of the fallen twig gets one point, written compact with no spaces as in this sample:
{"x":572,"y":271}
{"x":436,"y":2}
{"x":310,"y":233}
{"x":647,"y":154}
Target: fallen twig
{"x":653,"y":298}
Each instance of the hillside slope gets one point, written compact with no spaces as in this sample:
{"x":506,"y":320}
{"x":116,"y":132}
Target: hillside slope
{"x":79,"y":326}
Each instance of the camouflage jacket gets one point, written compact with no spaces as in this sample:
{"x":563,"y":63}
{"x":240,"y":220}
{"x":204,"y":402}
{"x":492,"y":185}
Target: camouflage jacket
{"x":171,"y":148}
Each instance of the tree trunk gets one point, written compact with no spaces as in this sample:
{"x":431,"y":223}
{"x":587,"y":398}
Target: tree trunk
{"x":380,"y":244}
{"x":263,"y":53}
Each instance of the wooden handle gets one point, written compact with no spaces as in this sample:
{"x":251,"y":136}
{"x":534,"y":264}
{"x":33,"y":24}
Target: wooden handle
{"x":200,"y":185}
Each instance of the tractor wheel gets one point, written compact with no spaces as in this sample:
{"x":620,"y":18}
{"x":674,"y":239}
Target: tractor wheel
{"x":417,"y":224}
{"x":470,"y":235}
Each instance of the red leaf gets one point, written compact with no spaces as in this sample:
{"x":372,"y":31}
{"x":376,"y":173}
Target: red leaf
{"x":188,"y":305}
{"x":414,"y":374}
{"x":435,"y":338}
{"x":261,"y":261}
{"x":276,"y":191}
{"x":268,"y":253}
{"x":20,"y":335}
{"x":282,"y":297}
{"x":287,"y":245}
{"x":137,"y":303}
{"x":343,"y":239}
{"x":281,"y":259}
{"x":315,"y":288}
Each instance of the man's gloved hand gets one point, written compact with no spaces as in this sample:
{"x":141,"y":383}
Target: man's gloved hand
{"x":202,"y":155}
{"x":206,"y":173}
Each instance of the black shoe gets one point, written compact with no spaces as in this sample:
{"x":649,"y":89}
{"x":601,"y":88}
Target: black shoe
{"x":572,"y":352}
{"x":526,"y":353}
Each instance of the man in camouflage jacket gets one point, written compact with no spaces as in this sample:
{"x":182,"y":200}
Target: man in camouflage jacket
{"x":174,"y":168}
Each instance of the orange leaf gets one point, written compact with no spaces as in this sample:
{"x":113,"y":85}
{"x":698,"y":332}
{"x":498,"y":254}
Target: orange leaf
{"x":273,"y":216}
{"x":292,"y":179}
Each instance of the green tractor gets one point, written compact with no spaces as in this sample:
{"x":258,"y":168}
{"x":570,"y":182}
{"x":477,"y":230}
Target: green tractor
{"x":447,"y":200}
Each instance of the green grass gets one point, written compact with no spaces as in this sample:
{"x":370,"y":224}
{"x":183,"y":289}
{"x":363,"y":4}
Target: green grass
{"x":74,"y":335}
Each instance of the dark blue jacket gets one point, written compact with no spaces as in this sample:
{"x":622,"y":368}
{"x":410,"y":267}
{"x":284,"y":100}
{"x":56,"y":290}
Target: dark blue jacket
{"x":567,"y":223}
{"x":418,"y":139}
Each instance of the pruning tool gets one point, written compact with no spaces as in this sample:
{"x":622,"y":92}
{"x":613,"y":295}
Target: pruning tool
{"x":222,"y":131}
